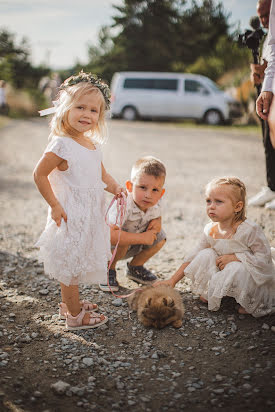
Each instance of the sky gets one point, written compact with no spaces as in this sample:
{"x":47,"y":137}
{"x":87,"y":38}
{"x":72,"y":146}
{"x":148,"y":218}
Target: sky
{"x":59,"y":31}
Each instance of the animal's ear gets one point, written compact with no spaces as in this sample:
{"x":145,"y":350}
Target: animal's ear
{"x":148,"y":302}
{"x":168,"y":301}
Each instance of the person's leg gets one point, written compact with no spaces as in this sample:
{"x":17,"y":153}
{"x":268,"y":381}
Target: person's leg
{"x":270,"y":159}
{"x":70,"y":296}
{"x":270,"y":166}
{"x":135,"y":269}
{"x":146,"y":254}
{"x":267,"y":195}
{"x":120,"y":254}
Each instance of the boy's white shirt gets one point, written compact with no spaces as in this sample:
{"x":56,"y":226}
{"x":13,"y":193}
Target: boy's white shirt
{"x":135,"y":220}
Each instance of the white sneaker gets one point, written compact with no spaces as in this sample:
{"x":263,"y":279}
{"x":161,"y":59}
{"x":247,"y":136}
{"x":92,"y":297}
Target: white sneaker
{"x":270,"y":205}
{"x":261,"y":198}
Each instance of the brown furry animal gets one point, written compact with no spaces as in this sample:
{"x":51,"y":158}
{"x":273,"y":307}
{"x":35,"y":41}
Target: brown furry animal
{"x":158,"y":306}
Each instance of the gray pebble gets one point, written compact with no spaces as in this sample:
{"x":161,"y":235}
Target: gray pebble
{"x":60,"y":387}
{"x":43,"y":292}
{"x":117,"y":302}
{"x":88,"y":361}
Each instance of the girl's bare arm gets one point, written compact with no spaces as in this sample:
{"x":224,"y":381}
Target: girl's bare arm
{"x":46,"y":164}
{"x":112,"y":185}
{"x":178,"y":275}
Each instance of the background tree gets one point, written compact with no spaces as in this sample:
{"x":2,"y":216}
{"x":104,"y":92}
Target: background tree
{"x":166,"y":35}
{"x":15,"y":65}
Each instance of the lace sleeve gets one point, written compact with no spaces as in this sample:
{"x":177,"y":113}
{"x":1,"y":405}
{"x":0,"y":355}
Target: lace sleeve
{"x":202,"y":244}
{"x":258,"y":260}
{"x":57,"y":146}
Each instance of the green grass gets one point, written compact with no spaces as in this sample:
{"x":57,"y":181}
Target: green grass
{"x":4,"y":120}
{"x":242,"y":128}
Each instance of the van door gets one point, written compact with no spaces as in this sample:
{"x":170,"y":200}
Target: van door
{"x":165,"y":97}
{"x":137,"y":92}
{"x":196,"y":98}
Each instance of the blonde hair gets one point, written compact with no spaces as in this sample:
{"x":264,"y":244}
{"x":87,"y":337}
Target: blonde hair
{"x":238,"y":190}
{"x":150,"y":166}
{"x":59,"y":124}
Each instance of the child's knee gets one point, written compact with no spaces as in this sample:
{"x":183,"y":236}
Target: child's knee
{"x":161,"y":243}
{"x":208,"y":253}
{"x":234,"y":266}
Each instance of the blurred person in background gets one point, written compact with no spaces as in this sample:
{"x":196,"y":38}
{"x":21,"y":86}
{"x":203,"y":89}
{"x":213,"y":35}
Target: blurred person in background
{"x":266,"y":197}
{"x":4,"y":108}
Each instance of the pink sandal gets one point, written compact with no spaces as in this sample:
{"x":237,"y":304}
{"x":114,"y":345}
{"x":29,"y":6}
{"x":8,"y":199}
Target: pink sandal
{"x":76,"y":322}
{"x":88,"y":306}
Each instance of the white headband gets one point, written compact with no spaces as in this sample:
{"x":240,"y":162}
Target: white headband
{"x":50,"y":110}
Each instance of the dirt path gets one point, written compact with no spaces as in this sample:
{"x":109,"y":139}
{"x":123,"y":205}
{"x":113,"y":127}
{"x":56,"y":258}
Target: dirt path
{"x":215,"y":361}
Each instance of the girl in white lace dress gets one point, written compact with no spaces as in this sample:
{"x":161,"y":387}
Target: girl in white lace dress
{"x":75,"y":245}
{"x":233,"y":257}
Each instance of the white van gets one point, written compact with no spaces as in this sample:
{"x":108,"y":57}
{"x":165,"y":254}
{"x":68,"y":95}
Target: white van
{"x":170,"y":95}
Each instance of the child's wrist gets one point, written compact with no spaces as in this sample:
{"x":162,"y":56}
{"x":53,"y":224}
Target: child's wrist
{"x":55,"y":204}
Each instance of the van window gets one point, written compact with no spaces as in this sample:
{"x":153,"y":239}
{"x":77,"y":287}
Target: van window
{"x":138,"y":84}
{"x":166,"y":84}
{"x":192,"y":86}
{"x":157,"y":84}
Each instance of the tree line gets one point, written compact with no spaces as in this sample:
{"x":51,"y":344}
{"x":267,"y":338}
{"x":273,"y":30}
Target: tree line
{"x":145,"y":35}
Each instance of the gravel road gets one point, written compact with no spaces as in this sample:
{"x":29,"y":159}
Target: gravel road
{"x":216,"y":361}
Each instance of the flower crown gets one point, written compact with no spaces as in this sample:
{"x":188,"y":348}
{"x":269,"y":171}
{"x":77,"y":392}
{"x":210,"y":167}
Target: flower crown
{"x":89,"y":78}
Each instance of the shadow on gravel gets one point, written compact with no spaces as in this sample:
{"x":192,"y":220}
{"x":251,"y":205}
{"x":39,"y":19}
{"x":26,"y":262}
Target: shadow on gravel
{"x":216,"y":360}
{"x":15,"y":186}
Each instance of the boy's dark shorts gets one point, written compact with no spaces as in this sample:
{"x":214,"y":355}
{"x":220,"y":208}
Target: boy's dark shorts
{"x":136,"y":249}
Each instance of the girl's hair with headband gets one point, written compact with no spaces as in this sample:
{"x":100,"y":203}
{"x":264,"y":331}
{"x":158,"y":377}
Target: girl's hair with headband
{"x":238,"y":191}
{"x":73,"y":88}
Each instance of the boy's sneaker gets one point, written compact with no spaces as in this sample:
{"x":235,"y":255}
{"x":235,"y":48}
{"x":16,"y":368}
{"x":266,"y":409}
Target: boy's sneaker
{"x":112,"y":282}
{"x":140,"y":274}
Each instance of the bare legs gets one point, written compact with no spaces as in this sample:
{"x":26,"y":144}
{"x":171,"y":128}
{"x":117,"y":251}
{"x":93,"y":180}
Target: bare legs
{"x":146,"y":254}
{"x":70,"y":296}
{"x":139,"y":259}
{"x":121,"y":252}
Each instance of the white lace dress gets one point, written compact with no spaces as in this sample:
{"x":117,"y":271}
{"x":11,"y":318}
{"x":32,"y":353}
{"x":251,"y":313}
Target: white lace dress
{"x":251,"y":281}
{"x":78,"y":251}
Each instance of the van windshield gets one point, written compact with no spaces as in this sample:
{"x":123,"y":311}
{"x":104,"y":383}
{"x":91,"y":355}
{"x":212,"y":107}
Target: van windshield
{"x":212,"y":85}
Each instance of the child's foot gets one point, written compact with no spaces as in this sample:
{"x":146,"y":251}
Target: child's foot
{"x":112,"y":282}
{"x":140,"y":274}
{"x":85,"y":320}
{"x":242,"y":311}
{"x":88,"y":306}
{"x":203,"y":300}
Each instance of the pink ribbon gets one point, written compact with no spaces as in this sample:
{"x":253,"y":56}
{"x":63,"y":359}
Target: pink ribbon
{"x":121,"y":209}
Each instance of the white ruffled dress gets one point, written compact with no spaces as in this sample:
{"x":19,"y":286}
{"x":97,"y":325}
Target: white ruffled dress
{"x":78,"y":251}
{"x":251,"y":281}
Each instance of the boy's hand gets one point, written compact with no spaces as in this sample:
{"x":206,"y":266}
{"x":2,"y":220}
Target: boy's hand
{"x":155,"y":224}
{"x":149,"y":237}
{"x":58,"y":213}
{"x":222,"y":261}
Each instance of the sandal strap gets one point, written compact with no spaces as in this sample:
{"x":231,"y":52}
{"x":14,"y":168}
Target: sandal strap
{"x":76,"y":320}
{"x":88,"y":305}
{"x":93,"y":318}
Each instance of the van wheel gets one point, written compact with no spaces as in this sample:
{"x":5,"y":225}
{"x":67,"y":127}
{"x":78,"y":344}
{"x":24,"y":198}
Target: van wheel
{"x":213,"y":117}
{"x":129,"y":113}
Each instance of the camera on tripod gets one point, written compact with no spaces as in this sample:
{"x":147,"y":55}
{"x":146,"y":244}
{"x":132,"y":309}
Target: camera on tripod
{"x":252,"y":38}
